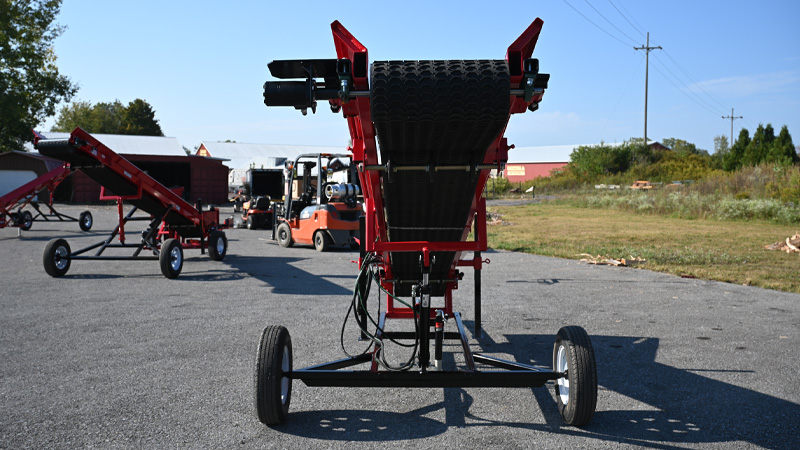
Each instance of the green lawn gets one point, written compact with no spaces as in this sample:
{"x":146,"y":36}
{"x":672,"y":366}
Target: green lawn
{"x":731,"y":251}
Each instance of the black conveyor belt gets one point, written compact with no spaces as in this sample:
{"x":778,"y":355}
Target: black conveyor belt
{"x":64,"y":150}
{"x":440,"y":112}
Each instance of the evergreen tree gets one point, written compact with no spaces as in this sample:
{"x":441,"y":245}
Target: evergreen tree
{"x":140,"y":118}
{"x":733,"y":160}
{"x":756,"y":152}
{"x":782,"y":149}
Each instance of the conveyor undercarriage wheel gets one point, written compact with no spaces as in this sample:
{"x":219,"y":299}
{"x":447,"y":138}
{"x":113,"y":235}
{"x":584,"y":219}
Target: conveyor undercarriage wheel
{"x":217,"y":245}
{"x":25,"y":220}
{"x":85,"y":221}
{"x":273,"y":389}
{"x":56,"y":257}
{"x":576,"y":394}
{"x":171,"y":258}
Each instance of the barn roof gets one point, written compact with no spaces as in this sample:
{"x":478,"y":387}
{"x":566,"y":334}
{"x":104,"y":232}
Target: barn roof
{"x":129,"y":144}
{"x":241,"y":155}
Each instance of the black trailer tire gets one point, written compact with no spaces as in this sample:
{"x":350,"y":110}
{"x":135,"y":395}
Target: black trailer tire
{"x":56,"y":258}
{"x":85,"y":221}
{"x":25,"y":220}
{"x":576,"y":394}
{"x":272,"y":388}
{"x":321,"y":240}
{"x":251,"y":222}
{"x":285,"y":235}
{"x":217,"y":245}
{"x":171,"y":258}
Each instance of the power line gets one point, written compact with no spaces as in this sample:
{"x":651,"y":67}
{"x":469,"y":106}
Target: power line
{"x":647,"y":50}
{"x":619,"y":100}
{"x":683,"y":91}
{"x":609,"y":22}
{"x":596,"y":25}
{"x":626,"y":19}
{"x":686,"y":90}
{"x":694,"y":81}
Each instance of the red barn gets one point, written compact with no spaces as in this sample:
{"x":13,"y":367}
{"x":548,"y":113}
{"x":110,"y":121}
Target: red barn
{"x":527,"y":163}
{"x":164,"y":159}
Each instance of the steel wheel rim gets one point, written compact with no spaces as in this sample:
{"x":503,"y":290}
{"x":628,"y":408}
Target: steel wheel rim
{"x":220,"y":246}
{"x":28,"y":220}
{"x":61,"y":258}
{"x":175,"y":258}
{"x":282,"y":235}
{"x":562,"y":366}
{"x":285,"y":368}
{"x":87,"y":221}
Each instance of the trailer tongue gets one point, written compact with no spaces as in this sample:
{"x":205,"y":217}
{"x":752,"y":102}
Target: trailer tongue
{"x":174,"y":223}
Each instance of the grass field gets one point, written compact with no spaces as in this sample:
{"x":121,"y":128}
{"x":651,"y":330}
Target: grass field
{"x":730,"y":251}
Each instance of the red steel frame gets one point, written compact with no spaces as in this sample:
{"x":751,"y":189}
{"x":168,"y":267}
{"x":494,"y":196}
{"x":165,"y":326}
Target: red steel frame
{"x":365,"y":154}
{"x":22,"y":196}
{"x":206,"y":221}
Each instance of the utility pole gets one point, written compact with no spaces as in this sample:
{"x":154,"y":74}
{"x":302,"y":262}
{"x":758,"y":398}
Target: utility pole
{"x":647,"y":50}
{"x":732,"y":117}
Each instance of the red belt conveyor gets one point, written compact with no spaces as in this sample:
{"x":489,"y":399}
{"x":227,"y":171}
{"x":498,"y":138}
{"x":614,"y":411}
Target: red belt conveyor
{"x":12,"y":204}
{"x":174,"y":223}
{"x":425,"y":136}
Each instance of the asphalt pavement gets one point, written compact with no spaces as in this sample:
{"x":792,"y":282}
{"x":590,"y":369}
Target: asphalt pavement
{"x":114,"y":355}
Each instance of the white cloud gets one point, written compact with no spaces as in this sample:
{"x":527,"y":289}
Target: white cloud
{"x":746,"y":85}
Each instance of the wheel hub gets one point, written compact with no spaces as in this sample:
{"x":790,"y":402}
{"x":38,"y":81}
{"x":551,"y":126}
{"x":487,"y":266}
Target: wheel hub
{"x":175,"y":258}
{"x":562,"y":366}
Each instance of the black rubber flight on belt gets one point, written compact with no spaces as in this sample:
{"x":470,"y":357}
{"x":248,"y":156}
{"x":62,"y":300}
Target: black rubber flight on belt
{"x":439,"y":113}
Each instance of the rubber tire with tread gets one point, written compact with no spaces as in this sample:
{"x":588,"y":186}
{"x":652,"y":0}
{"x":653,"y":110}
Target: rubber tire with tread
{"x":582,"y":376}
{"x":165,"y":258}
{"x":321,"y":240}
{"x":25,"y":220}
{"x":213,"y":241}
{"x":285,"y":235}
{"x":55,"y":263}
{"x":251,"y":223}
{"x":85,"y":221}
{"x":273,"y":391}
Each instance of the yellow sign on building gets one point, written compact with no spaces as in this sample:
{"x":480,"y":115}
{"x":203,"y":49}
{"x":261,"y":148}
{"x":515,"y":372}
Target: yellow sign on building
{"x":515,"y":171}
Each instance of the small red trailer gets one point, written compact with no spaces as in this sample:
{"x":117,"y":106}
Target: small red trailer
{"x":425,"y":135}
{"x":174,"y":224}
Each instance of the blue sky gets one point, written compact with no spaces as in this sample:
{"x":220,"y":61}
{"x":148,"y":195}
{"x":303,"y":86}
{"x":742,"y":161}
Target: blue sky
{"x":202,"y":64}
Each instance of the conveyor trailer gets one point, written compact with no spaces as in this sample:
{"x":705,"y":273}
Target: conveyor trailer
{"x":425,"y":136}
{"x":174,"y":224}
{"x":13,"y":204}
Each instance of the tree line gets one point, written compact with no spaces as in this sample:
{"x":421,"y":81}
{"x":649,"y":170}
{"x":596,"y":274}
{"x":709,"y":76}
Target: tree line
{"x":138,"y":117}
{"x":31,"y":86}
{"x":683,"y":159}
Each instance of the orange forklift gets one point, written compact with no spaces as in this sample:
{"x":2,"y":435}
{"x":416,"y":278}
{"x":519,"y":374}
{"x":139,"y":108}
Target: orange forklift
{"x":322,"y":209}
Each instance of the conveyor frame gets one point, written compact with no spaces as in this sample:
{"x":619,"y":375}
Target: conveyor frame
{"x":13,"y":204}
{"x":174,"y":224}
{"x":346,"y":86}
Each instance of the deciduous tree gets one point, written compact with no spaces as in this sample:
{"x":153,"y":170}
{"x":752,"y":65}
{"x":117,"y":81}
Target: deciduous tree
{"x":30,"y":83}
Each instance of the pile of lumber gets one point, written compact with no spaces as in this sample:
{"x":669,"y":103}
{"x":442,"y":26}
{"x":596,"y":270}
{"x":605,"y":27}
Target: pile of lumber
{"x":605,"y":260}
{"x":790,"y":245}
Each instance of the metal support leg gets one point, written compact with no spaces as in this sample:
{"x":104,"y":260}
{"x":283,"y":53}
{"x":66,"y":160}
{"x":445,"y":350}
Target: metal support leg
{"x":439,"y":339}
{"x":477,"y":257}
